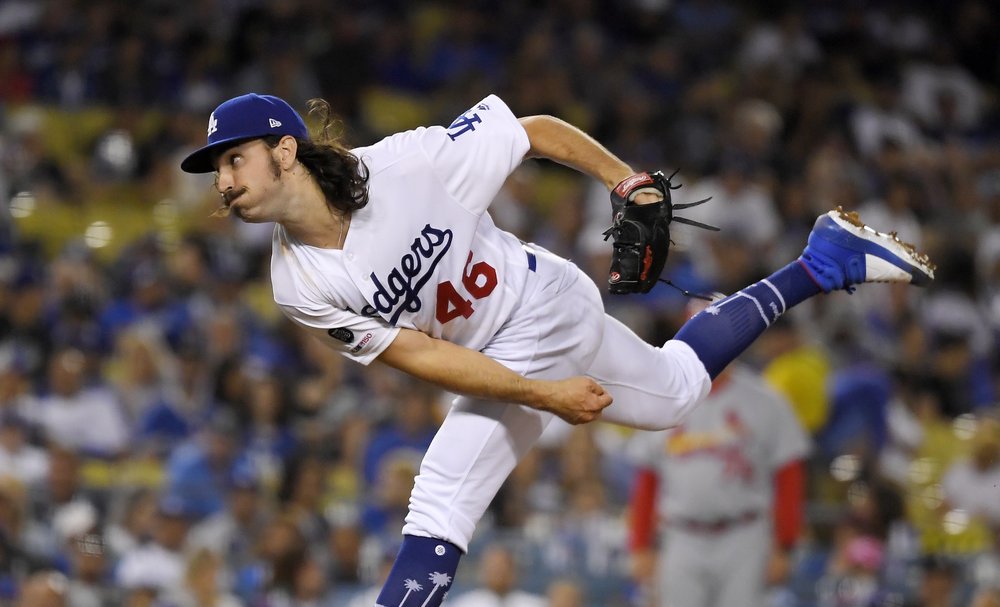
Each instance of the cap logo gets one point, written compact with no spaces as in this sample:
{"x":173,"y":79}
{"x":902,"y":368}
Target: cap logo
{"x":274,"y":123}
{"x":213,"y":124}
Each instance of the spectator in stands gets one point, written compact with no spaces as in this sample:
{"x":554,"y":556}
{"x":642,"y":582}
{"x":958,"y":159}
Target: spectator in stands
{"x":410,"y":428}
{"x":159,"y":564}
{"x":15,"y":561}
{"x":859,"y":398}
{"x":79,"y":416}
{"x":63,"y":493}
{"x":23,"y":329}
{"x":232,"y":532}
{"x":785,"y":46}
{"x":943,"y":95}
{"x":18,"y":458}
{"x":144,"y":295}
{"x":344,"y":545}
{"x":310,"y":587}
{"x":939,"y":582}
{"x":798,"y":367}
{"x":269,"y":440}
{"x":987,"y":597}
{"x":16,"y":396}
{"x":586,"y":538}
{"x":301,"y":494}
{"x":564,"y":593}
{"x":740,"y":206}
{"x":884,"y":119}
{"x":199,"y":468}
{"x":280,"y":552}
{"x":498,"y":573}
{"x":146,"y":380}
{"x":32,"y":166}
{"x":90,"y":572}
{"x":16,"y":85}
{"x":389,"y":497}
{"x":200,"y":585}
{"x":972,"y":484}
{"x":44,"y":589}
{"x":365,"y":597}
{"x":984,"y":571}
{"x":852,"y":574}
{"x":133,"y":525}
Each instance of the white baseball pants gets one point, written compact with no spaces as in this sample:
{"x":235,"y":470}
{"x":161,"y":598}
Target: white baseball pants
{"x":558,"y":330}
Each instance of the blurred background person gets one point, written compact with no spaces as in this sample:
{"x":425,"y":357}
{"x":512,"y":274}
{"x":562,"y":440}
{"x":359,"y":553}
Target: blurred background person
{"x":721,"y":496}
{"x":498,"y":574}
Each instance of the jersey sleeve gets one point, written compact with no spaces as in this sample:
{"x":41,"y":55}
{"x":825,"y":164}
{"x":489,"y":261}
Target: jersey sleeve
{"x":475,"y":154}
{"x":359,"y":338}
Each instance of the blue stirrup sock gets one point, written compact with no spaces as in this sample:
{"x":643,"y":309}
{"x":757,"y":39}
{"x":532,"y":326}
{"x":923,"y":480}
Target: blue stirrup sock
{"x":422,"y":573}
{"x":723,"y":330}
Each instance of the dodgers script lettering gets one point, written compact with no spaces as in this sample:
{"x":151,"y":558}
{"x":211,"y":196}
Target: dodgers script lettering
{"x":399,"y":291}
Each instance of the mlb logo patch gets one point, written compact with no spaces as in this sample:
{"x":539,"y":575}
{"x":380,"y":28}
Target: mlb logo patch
{"x":344,"y":335}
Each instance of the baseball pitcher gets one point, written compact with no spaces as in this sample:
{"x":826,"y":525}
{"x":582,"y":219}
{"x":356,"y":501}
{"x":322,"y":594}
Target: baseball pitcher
{"x":388,"y":253}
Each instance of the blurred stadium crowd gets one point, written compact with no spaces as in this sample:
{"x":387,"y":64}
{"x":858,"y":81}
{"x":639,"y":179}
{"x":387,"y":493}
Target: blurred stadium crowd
{"x":166,"y":438}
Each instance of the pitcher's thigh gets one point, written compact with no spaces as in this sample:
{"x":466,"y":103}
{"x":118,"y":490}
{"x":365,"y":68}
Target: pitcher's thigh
{"x":653,"y":387}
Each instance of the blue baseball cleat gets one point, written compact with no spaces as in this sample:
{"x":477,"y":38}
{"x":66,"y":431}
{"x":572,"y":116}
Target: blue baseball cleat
{"x":842,"y":252}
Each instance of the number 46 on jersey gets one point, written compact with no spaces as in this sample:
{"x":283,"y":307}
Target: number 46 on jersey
{"x":478,"y":280}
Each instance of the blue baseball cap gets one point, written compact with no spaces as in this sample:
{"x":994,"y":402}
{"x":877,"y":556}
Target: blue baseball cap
{"x":245,"y":117}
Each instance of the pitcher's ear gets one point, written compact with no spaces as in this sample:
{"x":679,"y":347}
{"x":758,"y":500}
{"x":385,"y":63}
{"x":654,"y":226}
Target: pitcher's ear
{"x":287,"y":149}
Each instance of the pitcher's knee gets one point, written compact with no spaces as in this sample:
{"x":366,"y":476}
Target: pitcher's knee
{"x":441,"y":526}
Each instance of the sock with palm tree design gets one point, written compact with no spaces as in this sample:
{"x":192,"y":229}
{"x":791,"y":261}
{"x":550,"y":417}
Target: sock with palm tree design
{"x":421,"y":574}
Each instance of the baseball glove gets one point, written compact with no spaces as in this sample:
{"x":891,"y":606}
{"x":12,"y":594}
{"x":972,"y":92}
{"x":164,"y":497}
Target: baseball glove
{"x":641,"y":232}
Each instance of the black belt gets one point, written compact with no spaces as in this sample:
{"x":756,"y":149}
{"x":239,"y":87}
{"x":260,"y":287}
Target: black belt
{"x":714,"y":526}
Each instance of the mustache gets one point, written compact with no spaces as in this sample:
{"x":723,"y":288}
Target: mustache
{"x":227,"y":199}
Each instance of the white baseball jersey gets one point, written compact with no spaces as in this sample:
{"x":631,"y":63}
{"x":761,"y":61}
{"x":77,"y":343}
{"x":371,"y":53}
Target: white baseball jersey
{"x":423,"y":254}
{"x":719,"y":463}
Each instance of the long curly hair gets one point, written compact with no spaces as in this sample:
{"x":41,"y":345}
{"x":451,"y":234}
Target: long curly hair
{"x":342,"y":176}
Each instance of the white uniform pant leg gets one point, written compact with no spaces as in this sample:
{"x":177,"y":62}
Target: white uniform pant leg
{"x":473,"y":453}
{"x":653,"y":388}
{"x":554,"y":335}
